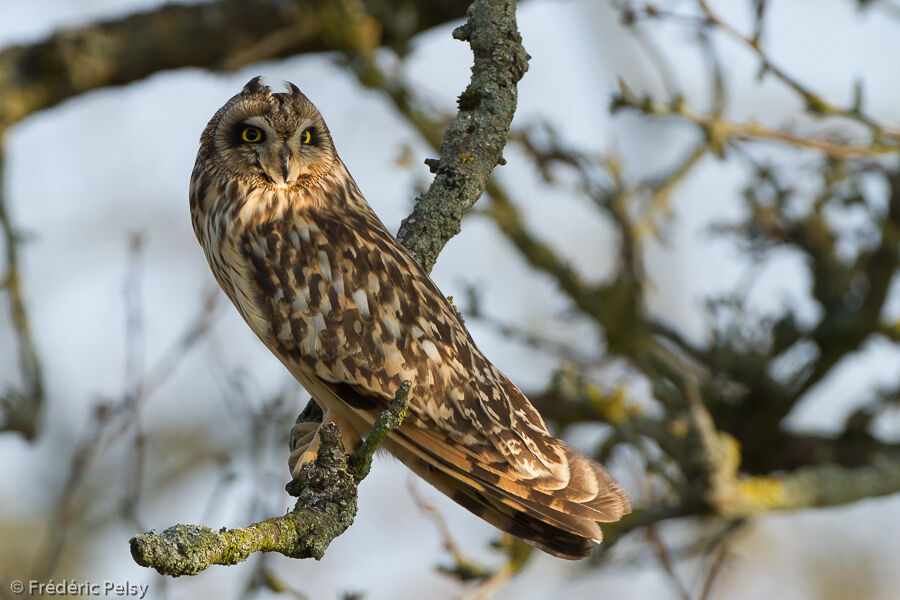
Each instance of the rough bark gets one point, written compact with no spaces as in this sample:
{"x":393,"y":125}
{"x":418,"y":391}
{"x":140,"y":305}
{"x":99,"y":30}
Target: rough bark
{"x":473,"y":143}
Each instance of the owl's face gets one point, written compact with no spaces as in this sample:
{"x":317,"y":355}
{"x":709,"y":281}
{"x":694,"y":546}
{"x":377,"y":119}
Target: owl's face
{"x":272,"y":139}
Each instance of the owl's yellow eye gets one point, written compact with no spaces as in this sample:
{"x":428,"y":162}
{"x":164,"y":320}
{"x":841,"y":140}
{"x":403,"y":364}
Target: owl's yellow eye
{"x":306,"y":137}
{"x":252,"y":134}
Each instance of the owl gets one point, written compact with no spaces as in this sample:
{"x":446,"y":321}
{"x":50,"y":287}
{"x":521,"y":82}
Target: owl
{"x":317,"y":276}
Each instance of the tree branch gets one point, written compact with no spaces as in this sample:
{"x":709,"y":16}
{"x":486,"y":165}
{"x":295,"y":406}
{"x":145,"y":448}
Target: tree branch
{"x":473,"y":143}
{"x":719,"y":131}
{"x":809,"y":487}
{"x":326,"y":507}
{"x":361,"y":461}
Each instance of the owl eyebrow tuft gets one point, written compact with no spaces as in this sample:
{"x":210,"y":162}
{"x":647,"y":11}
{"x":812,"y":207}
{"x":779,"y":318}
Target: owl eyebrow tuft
{"x":255,"y":86}
{"x":253,"y":121}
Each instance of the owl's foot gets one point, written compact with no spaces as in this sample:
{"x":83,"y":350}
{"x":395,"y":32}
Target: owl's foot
{"x":304,"y":443}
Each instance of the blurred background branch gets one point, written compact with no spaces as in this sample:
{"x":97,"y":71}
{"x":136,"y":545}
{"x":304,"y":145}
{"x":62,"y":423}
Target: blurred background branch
{"x":20,"y":408}
{"x":228,"y":34}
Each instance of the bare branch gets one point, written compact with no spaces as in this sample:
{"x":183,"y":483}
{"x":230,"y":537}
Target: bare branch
{"x":718,"y":130}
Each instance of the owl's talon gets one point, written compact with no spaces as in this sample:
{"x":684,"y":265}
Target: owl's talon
{"x":302,"y":434}
{"x":293,"y":487}
{"x":304,"y":444}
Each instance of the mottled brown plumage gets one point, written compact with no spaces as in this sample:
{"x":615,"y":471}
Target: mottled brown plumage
{"x":327,"y":288}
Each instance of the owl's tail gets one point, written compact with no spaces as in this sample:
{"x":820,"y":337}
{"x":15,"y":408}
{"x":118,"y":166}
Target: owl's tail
{"x":561,"y":522}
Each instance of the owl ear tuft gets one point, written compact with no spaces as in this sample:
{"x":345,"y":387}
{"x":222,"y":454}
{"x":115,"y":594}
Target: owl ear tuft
{"x":293,"y":89}
{"x":256,"y":87}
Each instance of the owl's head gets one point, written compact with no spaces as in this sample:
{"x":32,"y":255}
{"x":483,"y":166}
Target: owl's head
{"x":278,"y":139}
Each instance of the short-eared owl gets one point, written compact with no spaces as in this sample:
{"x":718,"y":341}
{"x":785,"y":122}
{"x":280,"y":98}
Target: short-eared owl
{"x":328,"y":289}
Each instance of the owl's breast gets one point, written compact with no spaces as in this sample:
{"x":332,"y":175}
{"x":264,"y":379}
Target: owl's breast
{"x":213,"y":229}
{"x":291,"y":289}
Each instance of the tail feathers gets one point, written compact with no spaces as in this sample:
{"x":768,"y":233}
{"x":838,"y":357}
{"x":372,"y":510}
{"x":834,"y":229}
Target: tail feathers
{"x":605,"y":503}
{"x":592,"y":486}
{"x":554,"y":539}
{"x":550,"y":533}
{"x":562,"y":522}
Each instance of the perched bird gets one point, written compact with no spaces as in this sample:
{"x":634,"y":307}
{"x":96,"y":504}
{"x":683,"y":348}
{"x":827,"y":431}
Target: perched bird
{"x":340,"y":302}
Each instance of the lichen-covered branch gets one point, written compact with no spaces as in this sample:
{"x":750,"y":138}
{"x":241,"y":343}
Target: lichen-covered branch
{"x":808,"y":487}
{"x":473,"y":143}
{"x":387,"y":421}
{"x":325,"y":508}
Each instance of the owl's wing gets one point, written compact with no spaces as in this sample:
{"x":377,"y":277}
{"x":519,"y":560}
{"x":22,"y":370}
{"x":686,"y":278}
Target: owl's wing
{"x":344,"y":302}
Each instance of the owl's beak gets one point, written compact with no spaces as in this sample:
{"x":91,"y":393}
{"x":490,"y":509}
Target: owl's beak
{"x":281,"y":165}
{"x":285,"y":155}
